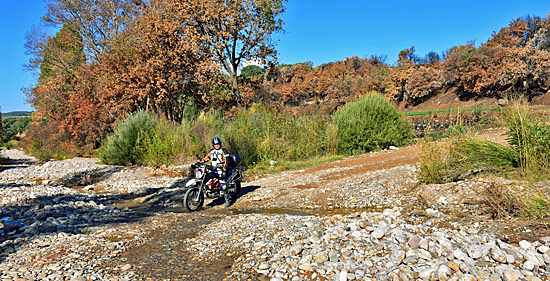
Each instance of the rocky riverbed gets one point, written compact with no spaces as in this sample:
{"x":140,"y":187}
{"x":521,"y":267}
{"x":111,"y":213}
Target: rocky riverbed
{"x":361,"y":218}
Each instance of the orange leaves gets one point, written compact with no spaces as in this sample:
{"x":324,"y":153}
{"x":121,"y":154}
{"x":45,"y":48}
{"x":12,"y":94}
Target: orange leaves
{"x":407,"y":57}
{"x":327,"y":83}
{"x":165,"y":65}
{"x":510,"y":36}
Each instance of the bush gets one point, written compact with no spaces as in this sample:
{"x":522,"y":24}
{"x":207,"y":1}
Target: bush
{"x":371,"y":123}
{"x":537,"y":206}
{"x":168,"y":143}
{"x":531,"y":139}
{"x":464,"y":158}
{"x":11,"y":144}
{"x":39,"y":151}
{"x":47,"y":140}
{"x":190,"y":110}
{"x":128,"y":143}
{"x":260,"y":134}
{"x":526,"y":157}
{"x":14,"y":127}
{"x":432,"y":169}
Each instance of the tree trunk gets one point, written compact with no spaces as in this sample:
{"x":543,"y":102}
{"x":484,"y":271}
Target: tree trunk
{"x":235,"y":84}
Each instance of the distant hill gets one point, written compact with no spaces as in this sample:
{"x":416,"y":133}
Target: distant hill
{"x":14,"y":114}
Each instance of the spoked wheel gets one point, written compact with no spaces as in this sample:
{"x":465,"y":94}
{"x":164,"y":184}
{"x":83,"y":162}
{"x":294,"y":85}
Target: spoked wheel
{"x":230,"y":197}
{"x":193,"y":200}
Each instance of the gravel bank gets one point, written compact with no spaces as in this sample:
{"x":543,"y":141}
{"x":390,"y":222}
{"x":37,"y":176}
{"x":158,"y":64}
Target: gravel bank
{"x":367,"y":246}
{"x":78,"y":220}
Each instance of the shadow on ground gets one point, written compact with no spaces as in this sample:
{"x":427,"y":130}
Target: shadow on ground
{"x":88,"y":177}
{"x":21,"y":221}
{"x":10,"y":163}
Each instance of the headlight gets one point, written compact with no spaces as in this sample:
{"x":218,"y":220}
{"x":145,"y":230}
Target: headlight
{"x":198,"y":174}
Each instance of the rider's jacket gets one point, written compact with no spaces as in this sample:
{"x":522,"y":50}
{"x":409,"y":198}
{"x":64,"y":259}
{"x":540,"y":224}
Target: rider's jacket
{"x":218,"y":157}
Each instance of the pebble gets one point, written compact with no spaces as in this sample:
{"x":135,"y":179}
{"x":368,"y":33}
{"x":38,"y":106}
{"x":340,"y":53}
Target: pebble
{"x":450,"y":254}
{"x":499,"y":255}
{"x":528,"y":265}
{"x":321,"y":257}
{"x":414,"y":241}
{"x":510,"y":275}
{"x":543,"y":249}
{"x":525,"y":245}
{"x":377,"y":245}
{"x":53,"y":231}
{"x":378,"y":233}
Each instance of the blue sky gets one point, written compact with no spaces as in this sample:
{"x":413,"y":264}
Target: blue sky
{"x":315,"y":30}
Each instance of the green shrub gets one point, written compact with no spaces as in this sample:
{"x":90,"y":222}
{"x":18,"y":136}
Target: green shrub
{"x":127,"y":144}
{"x":432,"y":168}
{"x":463,"y":158}
{"x":39,"y":151}
{"x":258,"y":134}
{"x":11,"y":144}
{"x":202,"y":130}
{"x":190,"y":110}
{"x":371,"y":123}
{"x":470,"y":156}
{"x":168,"y":143}
{"x":525,"y":158}
{"x":531,"y":139}
{"x":537,"y":206}
{"x":261,"y":134}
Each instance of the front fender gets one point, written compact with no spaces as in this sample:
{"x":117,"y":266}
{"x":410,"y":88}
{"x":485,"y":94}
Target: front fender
{"x":192,"y":182}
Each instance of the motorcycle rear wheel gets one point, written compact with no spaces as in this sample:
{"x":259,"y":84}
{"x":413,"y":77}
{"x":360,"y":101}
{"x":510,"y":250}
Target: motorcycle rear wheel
{"x":237,"y":189}
{"x":193,"y":200}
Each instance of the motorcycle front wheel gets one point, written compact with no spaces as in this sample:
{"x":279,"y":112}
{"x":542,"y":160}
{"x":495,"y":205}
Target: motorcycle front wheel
{"x":193,"y":200}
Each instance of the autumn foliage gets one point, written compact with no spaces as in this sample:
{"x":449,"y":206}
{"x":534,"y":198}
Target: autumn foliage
{"x":514,"y":62}
{"x":112,"y":58}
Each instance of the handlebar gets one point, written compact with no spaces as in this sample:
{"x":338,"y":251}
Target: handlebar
{"x":199,"y":164}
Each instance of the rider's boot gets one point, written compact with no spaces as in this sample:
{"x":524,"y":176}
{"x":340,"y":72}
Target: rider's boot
{"x":227,"y":198}
{"x":226,"y":194}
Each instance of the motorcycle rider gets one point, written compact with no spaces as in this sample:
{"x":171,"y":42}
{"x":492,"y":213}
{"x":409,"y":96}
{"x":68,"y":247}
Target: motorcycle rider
{"x":218,"y":155}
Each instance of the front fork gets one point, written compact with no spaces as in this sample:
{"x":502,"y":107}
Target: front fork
{"x":201,"y":190}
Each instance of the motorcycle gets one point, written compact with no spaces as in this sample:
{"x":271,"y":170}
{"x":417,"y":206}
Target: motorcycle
{"x":207,"y":182}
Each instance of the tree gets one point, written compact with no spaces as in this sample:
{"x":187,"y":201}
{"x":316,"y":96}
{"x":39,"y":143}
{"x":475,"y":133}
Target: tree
{"x":14,"y":126}
{"x":238,"y":30}
{"x":61,"y":58}
{"x":510,"y":36}
{"x":99,"y":21}
{"x":407,"y":57}
{"x":251,"y":71}
{"x":432,"y":57}
{"x":159,"y":65}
